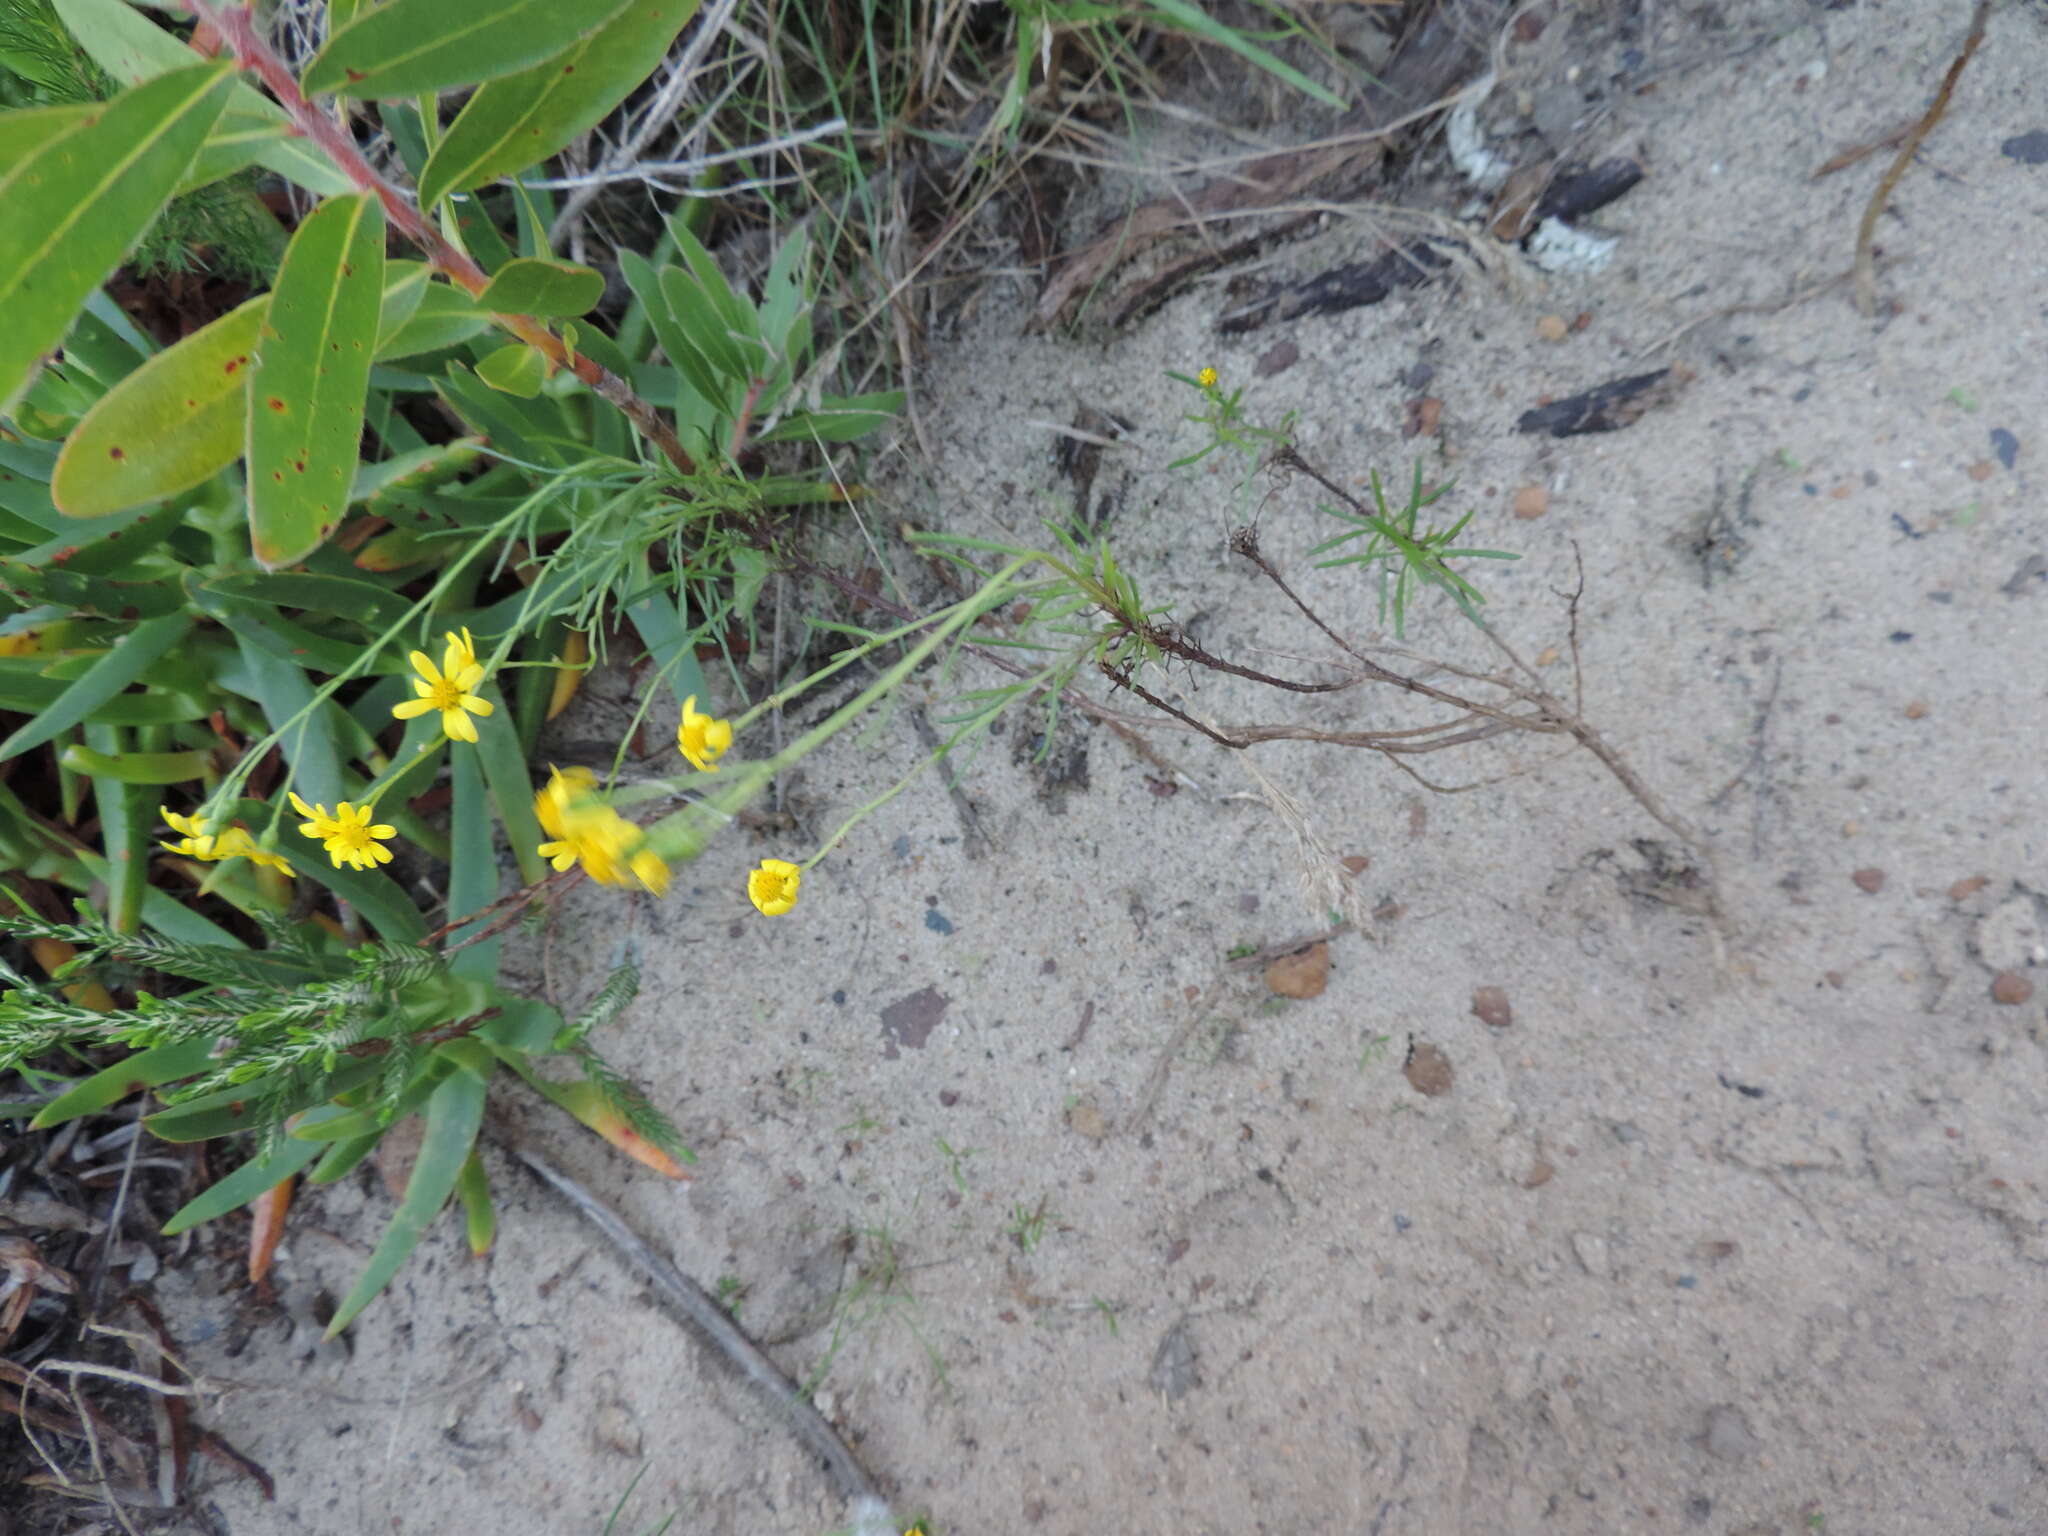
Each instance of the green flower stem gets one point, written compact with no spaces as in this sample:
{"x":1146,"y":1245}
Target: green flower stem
{"x":679,"y":836}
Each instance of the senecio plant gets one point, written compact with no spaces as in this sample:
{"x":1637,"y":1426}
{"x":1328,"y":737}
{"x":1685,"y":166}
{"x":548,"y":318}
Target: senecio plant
{"x":285,"y":602}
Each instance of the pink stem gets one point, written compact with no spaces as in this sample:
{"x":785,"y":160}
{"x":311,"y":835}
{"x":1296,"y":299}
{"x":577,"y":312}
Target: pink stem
{"x":237,"y":28}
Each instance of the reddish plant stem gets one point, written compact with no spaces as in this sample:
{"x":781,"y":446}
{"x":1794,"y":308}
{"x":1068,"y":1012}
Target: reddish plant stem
{"x":236,"y":25}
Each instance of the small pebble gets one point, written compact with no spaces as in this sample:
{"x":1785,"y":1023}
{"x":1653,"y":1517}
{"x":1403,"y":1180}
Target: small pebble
{"x":1553,"y":328}
{"x":2005,"y":445}
{"x":2027,"y":148}
{"x":1531,"y":501}
{"x":1962,"y":890}
{"x":1428,"y":1071}
{"x":1355,"y":863}
{"x":1917,"y":710}
{"x":1870,"y":881}
{"x":1302,"y":974}
{"x":2011,"y":988}
{"x":1277,"y":358}
{"x":1539,"y":1176}
{"x":1491,"y":1007}
{"x":1983,"y":469}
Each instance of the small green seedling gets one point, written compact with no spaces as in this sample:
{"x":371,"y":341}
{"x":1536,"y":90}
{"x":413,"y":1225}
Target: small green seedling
{"x":1027,"y":1226}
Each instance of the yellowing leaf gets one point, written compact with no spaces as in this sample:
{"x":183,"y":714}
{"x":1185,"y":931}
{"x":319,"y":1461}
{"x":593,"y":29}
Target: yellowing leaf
{"x":166,"y":427}
{"x":520,"y":120}
{"x":411,"y":47}
{"x":75,"y":206}
{"x":312,"y":373}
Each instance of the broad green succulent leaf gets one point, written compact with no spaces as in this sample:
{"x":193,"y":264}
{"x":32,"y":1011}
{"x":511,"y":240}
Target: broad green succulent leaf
{"x":312,"y":374}
{"x":520,"y":120}
{"x":532,"y":285}
{"x":76,"y":205}
{"x":412,"y":47}
{"x":168,"y":426}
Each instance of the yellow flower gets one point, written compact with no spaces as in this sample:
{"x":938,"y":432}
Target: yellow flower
{"x":584,"y":830}
{"x":1206,"y":378}
{"x":772,"y":887}
{"x":702,"y":739}
{"x":450,"y":688}
{"x":348,"y":835}
{"x":235,"y":843}
{"x":196,"y":842}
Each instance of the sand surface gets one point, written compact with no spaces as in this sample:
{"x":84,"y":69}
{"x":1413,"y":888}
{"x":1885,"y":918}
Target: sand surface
{"x":1735,"y":1228}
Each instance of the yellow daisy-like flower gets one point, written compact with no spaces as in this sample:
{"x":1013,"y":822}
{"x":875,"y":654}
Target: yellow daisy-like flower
{"x":584,"y":830}
{"x":449,"y":688}
{"x":195,"y":842}
{"x":772,"y":888}
{"x":1206,"y":378}
{"x":703,"y":740}
{"x":235,"y":843}
{"x":348,"y":835}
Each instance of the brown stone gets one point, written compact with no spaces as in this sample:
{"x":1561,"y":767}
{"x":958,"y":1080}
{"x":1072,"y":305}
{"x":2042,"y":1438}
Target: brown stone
{"x":1490,"y":1006}
{"x":1870,"y":881}
{"x":1553,"y":328}
{"x":1302,"y":974}
{"x":1428,"y":1070}
{"x":2011,"y":988}
{"x":1531,"y":501}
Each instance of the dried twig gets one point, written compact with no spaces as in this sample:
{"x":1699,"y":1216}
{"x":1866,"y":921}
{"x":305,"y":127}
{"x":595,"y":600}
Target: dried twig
{"x":1866,"y":272}
{"x":702,"y":1311}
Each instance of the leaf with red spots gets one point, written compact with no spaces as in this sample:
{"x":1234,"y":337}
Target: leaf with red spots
{"x":170,"y":425}
{"x":519,"y":120}
{"x":78,"y":203}
{"x":311,"y":377}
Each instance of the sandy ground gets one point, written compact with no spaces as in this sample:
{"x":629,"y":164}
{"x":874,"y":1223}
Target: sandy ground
{"x":1728,"y":1231}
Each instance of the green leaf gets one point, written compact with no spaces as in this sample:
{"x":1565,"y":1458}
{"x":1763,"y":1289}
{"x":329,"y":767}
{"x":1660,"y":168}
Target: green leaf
{"x":445,"y":317}
{"x":243,"y":1185}
{"x":511,"y":781}
{"x":23,"y":133}
{"x":515,"y":370}
{"x":480,"y":1222}
{"x":76,"y":205}
{"x":520,"y":120}
{"x":412,"y":47}
{"x":405,"y":286}
{"x":137,"y":767}
{"x":132,"y":48}
{"x":146,"y":1069}
{"x":279,"y":686}
{"x":312,"y":374}
{"x":455,"y":1113}
{"x":473,"y":859}
{"x":148,"y":642}
{"x":533,"y":285}
{"x":660,"y":620}
{"x":1192,"y":19}
{"x":170,"y":425}
{"x":837,"y":420}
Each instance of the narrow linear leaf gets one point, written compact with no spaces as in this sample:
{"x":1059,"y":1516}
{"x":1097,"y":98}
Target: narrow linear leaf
{"x":170,"y":425}
{"x":311,"y":377}
{"x":473,"y":867}
{"x":75,"y":206}
{"x":246,"y":1183}
{"x":145,"y":1069}
{"x":455,"y":1113}
{"x":533,"y":285}
{"x":520,"y":120}
{"x":132,"y":48}
{"x":144,"y":645}
{"x":23,"y":133}
{"x":412,"y":47}
{"x":480,"y":1221}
